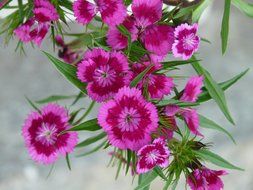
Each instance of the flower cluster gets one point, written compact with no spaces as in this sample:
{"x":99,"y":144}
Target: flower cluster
{"x":126,"y":66}
{"x":36,"y":28}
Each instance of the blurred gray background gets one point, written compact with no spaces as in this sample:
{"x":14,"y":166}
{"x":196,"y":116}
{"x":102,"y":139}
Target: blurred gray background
{"x":35,"y":77}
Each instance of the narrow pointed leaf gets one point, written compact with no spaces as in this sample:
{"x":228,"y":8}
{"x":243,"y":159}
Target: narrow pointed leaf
{"x":216,"y":159}
{"x":54,"y":98}
{"x":205,"y":96}
{"x":97,"y":148}
{"x":207,"y":123}
{"x":91,"y":125}
{"x":139,"y":77}
{"x":68,"y":71}
{"x":177,"y":63}
{"x":91,"y":140}
{"x":146,"y":180}
{"x":214,"y":90}
{"x":225,"y":25}
{"x":32,"y":104}
{"x":246,"y":8}
{"x":199,"y":10}
{"x":68,"y":161}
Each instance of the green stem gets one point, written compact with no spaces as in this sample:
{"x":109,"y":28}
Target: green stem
{"x":86,"y":113}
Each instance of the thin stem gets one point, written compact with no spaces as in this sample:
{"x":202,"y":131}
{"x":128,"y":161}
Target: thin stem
{"x":86,"y":113}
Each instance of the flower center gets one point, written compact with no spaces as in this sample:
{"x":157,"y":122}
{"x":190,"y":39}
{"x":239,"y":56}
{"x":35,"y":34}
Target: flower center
{"x":189,"y":41}
{"x":105,"y":76}
{"x":47,"y":134}
{"x":129,"y":119}
{"x":152,"y":156}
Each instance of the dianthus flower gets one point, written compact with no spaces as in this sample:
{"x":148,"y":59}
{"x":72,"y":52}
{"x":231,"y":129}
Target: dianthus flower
{"x":42,"y":134}
{"x":157,"y":85}
{"x":128,"y":119}
{"x":187,"y":41}
{"x":190,"y":94}
{"x":105,"y":73}
{"x":113,"y":12}
{"x":206,"y":179}
{"x":155,"y":154}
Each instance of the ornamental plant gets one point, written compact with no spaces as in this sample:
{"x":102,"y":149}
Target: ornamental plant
{"x":124,"y":61}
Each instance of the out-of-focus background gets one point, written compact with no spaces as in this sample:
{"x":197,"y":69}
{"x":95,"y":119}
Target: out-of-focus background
{"x":34,"y":76}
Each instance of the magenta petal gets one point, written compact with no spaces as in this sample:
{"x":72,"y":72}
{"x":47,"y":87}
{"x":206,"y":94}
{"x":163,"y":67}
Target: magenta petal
{"x":147,"y":12}
{"x":84,"y":11}
{"x":23,"y":31}
{"x":40,"y":33}
{"x":117,"y":40}
{"x":113,"y":12}
{"x":158,"y":39}
{"x":192,"y":120}
{"x":192,"y":89}
{"x":44,"y":11}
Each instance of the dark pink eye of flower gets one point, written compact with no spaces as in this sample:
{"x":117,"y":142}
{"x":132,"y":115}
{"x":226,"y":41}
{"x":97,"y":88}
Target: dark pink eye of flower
{"x":113,"y":12}
{"x":128,"y":119}
{"x":205,"y":178}
{"x":42,"y":134}
{"x":187,"y":41}
{"x":155,"y":154}
{"x":147,"y":12}
{"x":157,"y":85}
{"x":44,"y":11}
{"x":117,"y":40}
{"x":104,"y":72}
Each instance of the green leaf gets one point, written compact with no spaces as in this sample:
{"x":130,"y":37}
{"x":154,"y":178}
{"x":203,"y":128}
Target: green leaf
{"x":68,"y":161}
{"x":168,"y":64}
{"x":91,"y":125}
{"x":185,"y":11}
{"x":214,"y":90}
{"x":68,"y":71}
{"x":225,"y":25}
{"x":146,"y":180}
{"x":168,"y":182}
{"x":216,"y":159}
{"x":78,"y":97}
{"x":246,"y":8}
{"x":209,"y":124}
{"x":129,"y":156}
{"x":123,"y":30}
{"x":176,"y":102}
{"x":205,"y":96}
{"x":54,"y":98}
{"x":97,"y":148}
{"x":91,"y":140}
{"x":159,"y":172}
{"x":32,"y":104}
{"x":20,"y":9}
{"x":199,"y":10}
{"x":4,"y":3}
{"x":139,"y":77}
{"x":86,"y":113}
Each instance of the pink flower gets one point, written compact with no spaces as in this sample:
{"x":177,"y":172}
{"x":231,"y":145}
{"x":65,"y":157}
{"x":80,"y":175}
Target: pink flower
{"x":158,"y":39}
{"x":157,"y":85}
{"x":44,"y":11}
{"x":65,"y":52}
{"x":192,"y":120}
{"x":147,"y":12}
{"x":113,"y":12}
{"x":31,"y":31}
{"x":104,"y":72}
{"x":23,"y":32}
{"x":189,"y":115}
{"x":155,"y":154}
{"x":128,"y":119}
{"x":187,"y":41}
{"x":206,"y":179}
{"x":39,"y":33}
{"x":117,"y":40}
{"x":41,"y":133}
{"x":192,"y":89}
